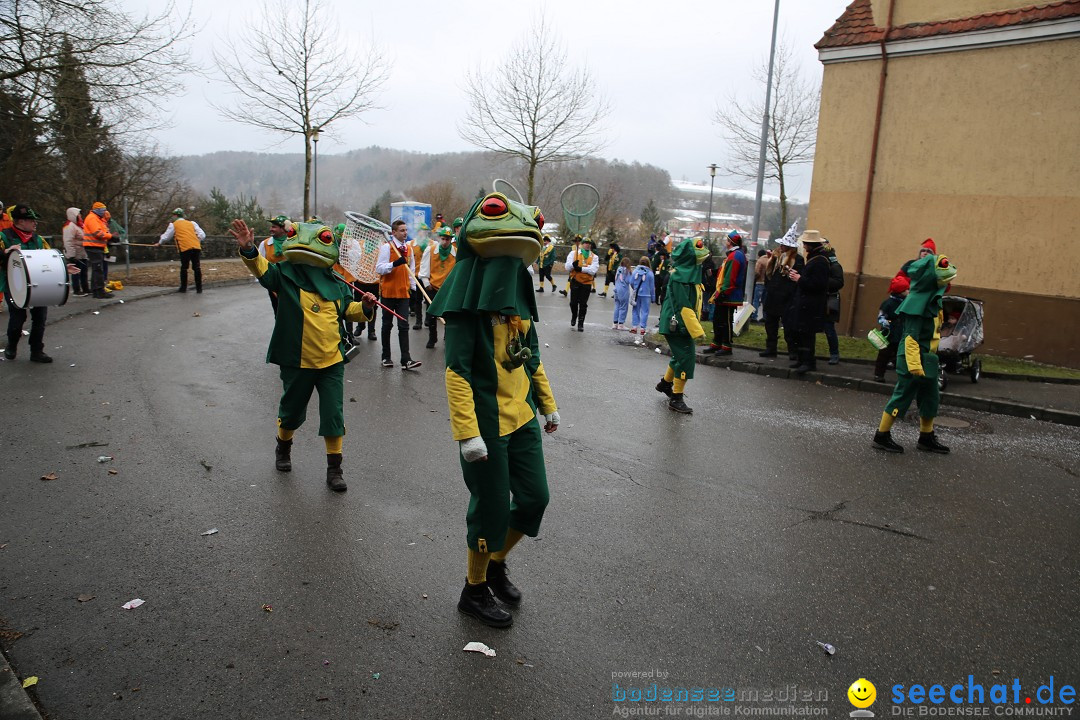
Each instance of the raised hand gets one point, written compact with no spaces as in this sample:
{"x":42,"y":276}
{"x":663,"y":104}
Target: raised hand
{"x":244,"y":235}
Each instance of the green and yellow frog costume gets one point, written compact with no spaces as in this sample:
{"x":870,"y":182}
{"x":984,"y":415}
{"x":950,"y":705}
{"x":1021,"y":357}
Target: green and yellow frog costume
{"x":306,"y":343}
{"x":679,"y":315}
{"x":917,"y":365}
{"x":495,"y":385}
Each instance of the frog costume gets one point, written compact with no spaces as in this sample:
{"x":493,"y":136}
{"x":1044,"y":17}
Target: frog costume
{"x":495,"y":384}
{"x":306,"y":342}
{"x":679,"y":324}
{"x":917,"y":366}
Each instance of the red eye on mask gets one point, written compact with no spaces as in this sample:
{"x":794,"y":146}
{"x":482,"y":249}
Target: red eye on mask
{"x":699,"y":244}
{"x":943,"y":262}
{"x":494,"y":206}
{"x":326,"y":237}
{"x":539,"y":220}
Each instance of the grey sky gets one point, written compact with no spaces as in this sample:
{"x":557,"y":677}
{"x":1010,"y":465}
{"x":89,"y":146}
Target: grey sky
{"x":664,"y":67}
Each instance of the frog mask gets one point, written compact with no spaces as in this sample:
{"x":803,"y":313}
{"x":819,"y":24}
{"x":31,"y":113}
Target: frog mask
{"x":313,"y":244}
{"x":499,"y":227}
{"x":929,"y":278}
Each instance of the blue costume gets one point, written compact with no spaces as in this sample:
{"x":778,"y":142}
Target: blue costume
{"x":643,"y":285}
{"x":621,"y":295}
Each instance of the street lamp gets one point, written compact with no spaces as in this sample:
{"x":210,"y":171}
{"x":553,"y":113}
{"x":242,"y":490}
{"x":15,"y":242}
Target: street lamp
{"x":708,"y":220}
{"x":315,"y":202}
{"x":749,"y":287}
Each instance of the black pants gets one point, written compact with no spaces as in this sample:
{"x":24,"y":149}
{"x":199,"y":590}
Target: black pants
{"x":881,"y":364}
{"x":190,"y":257}
{"x":372,"y":288}
{"x":807,"y":346}
{"x":772,"y":332}
{"x":96,"y":258}
{"x":722,"y":318}
{"x":579,"y":302}
{"x":545,"y":272}
{"x":16,"y":320}
{"x":401,"y":307}
{"x":80,"y":285}
{"x":430,"y":320}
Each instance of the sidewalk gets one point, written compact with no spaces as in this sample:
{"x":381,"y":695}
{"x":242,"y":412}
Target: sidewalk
{"x":1055,"y":402}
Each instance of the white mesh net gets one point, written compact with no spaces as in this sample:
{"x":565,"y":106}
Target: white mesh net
{"x":360,"y":245}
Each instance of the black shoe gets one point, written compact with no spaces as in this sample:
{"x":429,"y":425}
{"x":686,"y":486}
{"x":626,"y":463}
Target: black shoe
{"x":676,"y":403}
{"x":767,"y":353}
{"x":581,"y":326}
{"x":283,"y":455}
{"x":182,"y":290}
{"x":603,"y":294}
{"x":834,"y":360}
{"x":803,"y":369}
{"x":476,"y":600}
{"x":333,"y":473}
{"x":430,"y":345}
{"x":387,"y":363}
{"x":879,"y":378}
{"x":9,"y":352}
{"x":371,"y":336}
{"x":723,"y":351}
{"x":573,"y":322}
{"x":884,"y":441}
{"x":417,"y":326}
{"x":563,"y":293}
{"x":411,"y":365}
{"x":198,"y":291}
{"x":665,"y":387}
{"x":927,"y":441}
{"x":103,"y":296}
{"x":710,"y":350}
{"x":795,"y":363}
{"x":500,"y":584}
{"x":40,"y":357}
{"x":540,"y":289}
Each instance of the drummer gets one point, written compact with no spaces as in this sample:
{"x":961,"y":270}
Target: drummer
{"x":22,"y":235}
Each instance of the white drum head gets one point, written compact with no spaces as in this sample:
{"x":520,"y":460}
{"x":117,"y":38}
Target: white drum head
{"x":37,"y":278}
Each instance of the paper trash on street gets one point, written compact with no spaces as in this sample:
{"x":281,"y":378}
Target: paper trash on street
{"x":480,"y":648}
{"x":132,"y":604}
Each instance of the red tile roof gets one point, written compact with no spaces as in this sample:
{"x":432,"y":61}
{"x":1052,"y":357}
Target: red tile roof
{"x":856,"y":26}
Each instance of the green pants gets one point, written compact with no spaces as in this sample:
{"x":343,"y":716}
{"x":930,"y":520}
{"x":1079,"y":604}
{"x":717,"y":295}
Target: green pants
{"x":910,"y":387}
{"x":683,"y":355}
{"x":297,"y":384}
{"x":509,"y":490}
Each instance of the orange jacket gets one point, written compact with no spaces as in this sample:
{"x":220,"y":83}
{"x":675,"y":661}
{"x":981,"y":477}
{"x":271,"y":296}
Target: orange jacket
{"x":95,"y":231}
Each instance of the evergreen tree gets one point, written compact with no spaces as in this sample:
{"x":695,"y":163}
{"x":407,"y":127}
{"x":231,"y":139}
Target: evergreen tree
{"x":376,"y":210}
{"x":26,"y":169}
{"x":651,"y":221}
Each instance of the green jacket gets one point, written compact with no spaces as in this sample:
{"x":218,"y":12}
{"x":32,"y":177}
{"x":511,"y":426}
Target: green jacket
{"x":8,"y":239}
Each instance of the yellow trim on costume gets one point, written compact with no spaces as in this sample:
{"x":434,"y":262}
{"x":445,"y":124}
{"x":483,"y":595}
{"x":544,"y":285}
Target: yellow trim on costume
{"x":355,"y":312}
{"x":319,"y":345}
{"x":476,"y":564}
{"x":512,"y":392}
{"x":679,"y":384}
{"x":257,"y":265}
{"x":913,"y":354}
{"x":669,"y":374}
{"x":936,"y":340}
{"x":887,"y":421}
{"x":512,"y":537}
{"x":926,"y":425}
{"x":463,"y":422}
{"x":690,"y":320}
{"x":334,"y":444}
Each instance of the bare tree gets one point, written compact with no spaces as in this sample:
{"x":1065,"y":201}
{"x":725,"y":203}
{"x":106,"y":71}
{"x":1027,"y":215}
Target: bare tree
{"x":295,"y":71}
{"x":792,"y":130}
{"x":128,"y":60}
{"x":533,"y":106}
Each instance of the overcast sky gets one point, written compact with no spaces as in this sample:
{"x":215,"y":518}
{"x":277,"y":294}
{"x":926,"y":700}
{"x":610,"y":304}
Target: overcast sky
{"x":664,"y":68}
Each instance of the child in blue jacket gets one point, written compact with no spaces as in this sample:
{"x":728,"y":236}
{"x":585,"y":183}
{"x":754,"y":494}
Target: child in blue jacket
{"x":621,"y":295}
{"x":642,"y":293}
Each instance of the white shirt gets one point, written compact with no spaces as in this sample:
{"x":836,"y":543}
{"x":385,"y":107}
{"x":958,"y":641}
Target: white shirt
{"x":591,"y":268}
{"x":384,"y":265}
{"x":425,"y":260}
{"x":170,"y":231}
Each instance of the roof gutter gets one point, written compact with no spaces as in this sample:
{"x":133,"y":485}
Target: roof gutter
{"x":871,"y":171}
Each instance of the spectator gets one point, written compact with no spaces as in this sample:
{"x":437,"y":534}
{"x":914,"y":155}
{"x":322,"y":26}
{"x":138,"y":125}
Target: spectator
{"x":810,"y":298}
{"x":779,"y":300}
{"x":832,"y":303}
{"x":188,"y":237}
{"x":760,"y":265}
{"x":642,"y":289}
{"x":891,"y":324}
{"x":660,"y":272}
{"x":96,"y":237}
{"x":621,"y":295}
{"x":75,"y":252}
{"x":728,"y":295}
{"x":708,"y":283}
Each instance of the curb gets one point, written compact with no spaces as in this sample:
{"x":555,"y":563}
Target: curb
{"x":997,"y":407}
{"x":15,"y":703}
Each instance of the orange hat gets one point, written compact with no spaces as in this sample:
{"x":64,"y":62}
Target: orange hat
{"x":98,"y":206}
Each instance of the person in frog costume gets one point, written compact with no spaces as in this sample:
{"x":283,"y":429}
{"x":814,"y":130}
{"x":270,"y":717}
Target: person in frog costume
{"x":917,"y":366}
{"x":306,"y":342}
{"x":495,"y":384}
{"x":679,"y":324}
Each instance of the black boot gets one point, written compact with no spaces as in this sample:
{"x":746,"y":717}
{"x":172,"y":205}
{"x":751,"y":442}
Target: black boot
{"x":333,"y":473}
{"x":676,"y":403}
{"x":884,"y":441}
{"x":39,"y":356}
{"x":928,"y":441}
{"x":500,"y":584}
{"x":476,"y":600}
{"x":9,"y":351}
{"x":665,"y":387}
{"x":768,"y":353}
{"x":283,"y":455}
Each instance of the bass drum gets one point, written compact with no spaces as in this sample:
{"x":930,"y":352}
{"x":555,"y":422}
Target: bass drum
{"x":37,"y":278}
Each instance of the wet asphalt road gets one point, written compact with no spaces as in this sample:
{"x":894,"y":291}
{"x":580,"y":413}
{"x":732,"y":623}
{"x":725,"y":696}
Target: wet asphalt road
{"x":713,"y":550}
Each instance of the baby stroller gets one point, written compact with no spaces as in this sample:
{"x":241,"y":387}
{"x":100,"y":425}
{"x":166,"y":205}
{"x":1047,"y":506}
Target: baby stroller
{"x":961,"y":333}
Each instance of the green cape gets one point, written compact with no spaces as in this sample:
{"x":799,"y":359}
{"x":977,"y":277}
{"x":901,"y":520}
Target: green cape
{"x":686,"y":268}
{"x":924,"y":296}
{"x":317,"y":280}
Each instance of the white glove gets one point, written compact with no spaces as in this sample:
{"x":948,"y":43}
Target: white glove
{"x":553,"y":418}
{"x":473,"y":449}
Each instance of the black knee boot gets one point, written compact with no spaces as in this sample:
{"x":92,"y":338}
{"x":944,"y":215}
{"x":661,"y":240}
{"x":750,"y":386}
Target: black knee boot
{"x":283,"y":455}
{"x":334,"y":477}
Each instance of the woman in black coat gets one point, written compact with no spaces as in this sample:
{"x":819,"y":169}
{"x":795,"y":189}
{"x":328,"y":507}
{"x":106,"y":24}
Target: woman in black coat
{"x":779,"y":300}
{"x":810,"y":298}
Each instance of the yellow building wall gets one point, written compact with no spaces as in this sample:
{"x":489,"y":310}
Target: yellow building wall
{"x":923,"y":11}
{"x":979,"y":149}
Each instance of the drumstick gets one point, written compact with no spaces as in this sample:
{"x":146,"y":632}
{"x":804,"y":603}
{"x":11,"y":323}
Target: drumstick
{"x":141,"y":244}
{"x":376,"y":302}
{"x":419,"y":285}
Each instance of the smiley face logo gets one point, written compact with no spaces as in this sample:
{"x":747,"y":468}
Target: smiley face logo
{"x":862,"y":693}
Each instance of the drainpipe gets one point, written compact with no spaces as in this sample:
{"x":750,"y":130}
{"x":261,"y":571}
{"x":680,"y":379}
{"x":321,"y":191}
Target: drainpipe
{"x":853,"y":301}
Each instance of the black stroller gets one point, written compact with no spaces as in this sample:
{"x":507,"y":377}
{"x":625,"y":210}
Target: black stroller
{"x":961,"y":333}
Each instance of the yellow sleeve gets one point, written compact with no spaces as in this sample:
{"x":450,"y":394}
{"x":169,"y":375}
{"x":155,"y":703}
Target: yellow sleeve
{"x":257,"y":265}
{"x":355,"y":312}
{"x":914,"y":356}
{"x":545,"y":399}
{"x":690,"y":319}
{"x":460,"y":338}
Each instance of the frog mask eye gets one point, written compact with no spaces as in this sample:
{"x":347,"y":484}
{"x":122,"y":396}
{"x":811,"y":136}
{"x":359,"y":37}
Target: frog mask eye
{"x":539,"y":218}
{"x":326,"y":237}
{"x":494,"y":207}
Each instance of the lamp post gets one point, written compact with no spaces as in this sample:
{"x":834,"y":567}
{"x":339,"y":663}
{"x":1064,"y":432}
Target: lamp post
{"x":764,"y":139}
{"x":708,"y":218}
{"x":315,"y":202}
